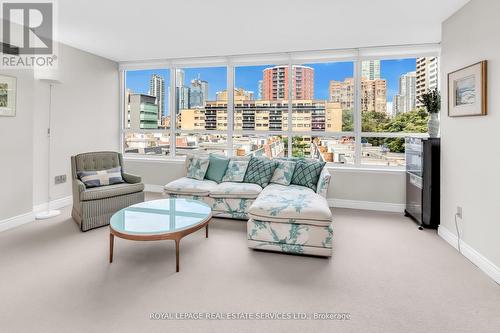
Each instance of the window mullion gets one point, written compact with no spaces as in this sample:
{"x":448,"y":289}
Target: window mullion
{"x":230,"y":109}
{"x":357,"y":112}
{"x":173,"y":112}
{"x":290,"y":110}
{"x":122,"y":111}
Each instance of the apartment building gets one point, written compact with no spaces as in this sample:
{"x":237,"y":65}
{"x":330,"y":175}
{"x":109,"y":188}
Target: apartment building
{"x":261,"y":115}
{"x":275,"y":83}
{"x":427,"y":76}
{"x":373,"y":94}
{"x":142,"y":111}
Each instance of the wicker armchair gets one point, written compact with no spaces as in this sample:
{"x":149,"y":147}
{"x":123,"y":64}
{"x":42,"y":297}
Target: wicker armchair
{"x":93,"y":207}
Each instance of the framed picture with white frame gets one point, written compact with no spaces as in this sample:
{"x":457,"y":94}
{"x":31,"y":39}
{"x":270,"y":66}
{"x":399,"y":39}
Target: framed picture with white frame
{"x":8,"y":95}
{"x":467,"y":91}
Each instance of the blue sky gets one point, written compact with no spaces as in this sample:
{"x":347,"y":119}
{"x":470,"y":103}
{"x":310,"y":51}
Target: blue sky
{"x":248,"y":77}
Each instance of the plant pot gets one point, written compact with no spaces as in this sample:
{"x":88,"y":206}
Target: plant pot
{"x":433,"y":125}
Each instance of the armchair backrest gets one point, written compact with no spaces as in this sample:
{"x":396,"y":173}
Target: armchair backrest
{"x":94,"y":161}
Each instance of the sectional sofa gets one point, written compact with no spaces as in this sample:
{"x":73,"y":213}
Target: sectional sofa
{"x":284,"y":218}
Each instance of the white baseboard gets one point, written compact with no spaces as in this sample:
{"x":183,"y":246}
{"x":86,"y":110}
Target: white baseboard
{"x":367,"y":205}
{"x":153,"y":188}
{"x":16,"y":221}
{"x":475,"y":257}
{"x":54,"y":204}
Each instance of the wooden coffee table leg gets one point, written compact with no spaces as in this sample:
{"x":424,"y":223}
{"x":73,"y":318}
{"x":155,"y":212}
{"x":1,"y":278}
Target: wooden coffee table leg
{"x":206,"y":231}
{"x":177,"y":245}
{"x":111,"y":243}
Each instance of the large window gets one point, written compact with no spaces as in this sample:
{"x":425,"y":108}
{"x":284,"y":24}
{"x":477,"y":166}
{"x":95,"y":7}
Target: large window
{"x":146,"y":116}
{"x":322,"y":108}
{"x":390,"y":108}
{"x":352,"y":112}
{"x":201,"y":110}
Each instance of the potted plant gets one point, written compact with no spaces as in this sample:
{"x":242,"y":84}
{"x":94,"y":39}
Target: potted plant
{"x":432,"y":103}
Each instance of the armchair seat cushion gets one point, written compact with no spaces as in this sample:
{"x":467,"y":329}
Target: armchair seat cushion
{"x":190,"y":186}
{"x":291,"y":204}
{"x":236,"y":190}
{"x":108,"y":191}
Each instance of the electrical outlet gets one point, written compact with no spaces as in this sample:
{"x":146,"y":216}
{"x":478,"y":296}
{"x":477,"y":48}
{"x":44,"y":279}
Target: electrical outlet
{"x":60,"y":179}
{"x":459,"y":211}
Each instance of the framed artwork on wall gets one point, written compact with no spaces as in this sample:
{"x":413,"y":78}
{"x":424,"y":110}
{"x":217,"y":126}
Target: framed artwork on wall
{"x":467,"y":91}
{"x":8,"y":95}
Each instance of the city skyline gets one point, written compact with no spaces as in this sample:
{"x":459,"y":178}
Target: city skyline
{"x":248,"y":77}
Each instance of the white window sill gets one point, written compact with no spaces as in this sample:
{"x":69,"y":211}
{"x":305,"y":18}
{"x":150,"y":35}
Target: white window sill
{"x":330,"y":166}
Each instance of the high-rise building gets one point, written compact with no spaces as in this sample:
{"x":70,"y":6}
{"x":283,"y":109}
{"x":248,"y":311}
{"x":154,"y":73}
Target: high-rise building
{"x":397,"y":105}
{"x":239,"y":95}
{"x":275,"y":83}
{"x":370,"y":69}
{"x":157,"y":89}
{"x":142,"y":111}
{"x":182,"y":98}
{"x":407,"y":92}
{"x":179,"y":78}
{"x":427,"y":76}
{"x":343,"y":92}
{"x":373,"y":94}
{"x":198,"y":93}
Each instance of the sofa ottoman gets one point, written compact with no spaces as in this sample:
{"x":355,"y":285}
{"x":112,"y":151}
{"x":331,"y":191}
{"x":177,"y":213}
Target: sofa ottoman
{"x":292,"y":219}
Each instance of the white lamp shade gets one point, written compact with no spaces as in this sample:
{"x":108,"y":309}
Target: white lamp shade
{"x":49,"y":75}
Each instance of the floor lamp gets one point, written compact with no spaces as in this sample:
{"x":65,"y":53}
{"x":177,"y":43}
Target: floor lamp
{"x":48,"y":213}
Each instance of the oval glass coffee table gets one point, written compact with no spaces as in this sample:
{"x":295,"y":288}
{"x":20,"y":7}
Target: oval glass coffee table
{"x":159,"y":220}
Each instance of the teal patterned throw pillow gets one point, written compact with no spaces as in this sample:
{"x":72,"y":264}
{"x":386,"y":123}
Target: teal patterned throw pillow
{"x":197,"y":167}
{"x":259,"y":171}
{"x":236,"y":170}
{"x":284,"y":172}
{"x":217,"y":167}
{"x":307,"y":173}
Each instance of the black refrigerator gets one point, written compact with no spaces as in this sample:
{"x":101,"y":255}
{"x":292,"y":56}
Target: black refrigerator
{"x":423,"y":180}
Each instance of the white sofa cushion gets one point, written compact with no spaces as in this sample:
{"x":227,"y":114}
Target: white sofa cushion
{"x":236,"y":190}
{"x":191,"y":186}
{"x":291,"y":204}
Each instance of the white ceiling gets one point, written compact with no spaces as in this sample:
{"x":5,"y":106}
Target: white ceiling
{"x":125,"y":30}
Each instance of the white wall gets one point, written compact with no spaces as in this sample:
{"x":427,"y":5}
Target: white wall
{"x":349,"y":188}
{"x":470,"y":151}
{"x":16,"y":150}
{"x":85,"y":116}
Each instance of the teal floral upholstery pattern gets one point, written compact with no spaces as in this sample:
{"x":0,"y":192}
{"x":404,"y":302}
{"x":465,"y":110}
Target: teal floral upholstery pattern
{"x":236,"y":170}
{"x":284,"y":218}
{"x":290,"y":233}
{"x":236,"y":190}
{"x":284,"y":171}
{"x":323,"y":182}
{"x":307,"y":173}
{"x":222,"y":207}
{"x":291,"y":204}
{"x":197,"y":167}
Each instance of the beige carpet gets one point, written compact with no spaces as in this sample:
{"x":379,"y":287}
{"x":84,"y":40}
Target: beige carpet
{"x":388,"y":275}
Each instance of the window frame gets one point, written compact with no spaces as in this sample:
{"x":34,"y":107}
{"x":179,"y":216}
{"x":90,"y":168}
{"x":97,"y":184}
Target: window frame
{"x":356,"y":56}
